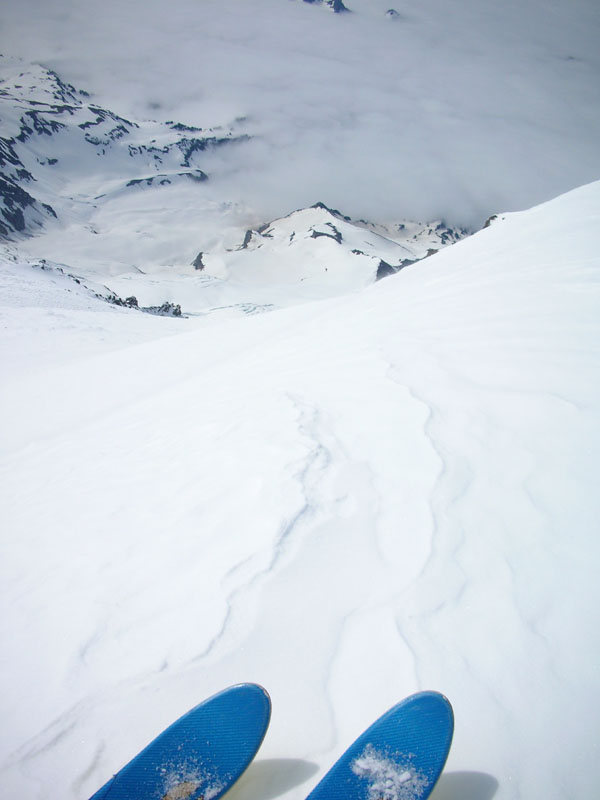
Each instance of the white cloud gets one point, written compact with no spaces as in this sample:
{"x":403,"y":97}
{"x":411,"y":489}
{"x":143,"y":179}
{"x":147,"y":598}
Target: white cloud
{"x":456,"y":110}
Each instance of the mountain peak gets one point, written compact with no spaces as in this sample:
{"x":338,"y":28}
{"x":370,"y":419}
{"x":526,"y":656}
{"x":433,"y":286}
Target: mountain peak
{"x":333,"y":211}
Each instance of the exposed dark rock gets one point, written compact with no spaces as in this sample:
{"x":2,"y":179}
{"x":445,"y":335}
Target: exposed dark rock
{"x":449,"y":235}
{"x":196,"y":175}
{"x":332,"y":211}
{"x":490,"y":220}
{"x":384,"y":269}
{"x":197,"y":263}
{"x":8,"y":154}
{"x":115,"y":300}
{"x":336,"y":5}
{"x":102,"y":115}
{"x":190,"y":146}
{"x":64,"y":91}
{"x":14,"y":200}
{"x":164,"y":180}
{"x":408,"y":262}
{"x":142,"y":150}
{"x":41,"y":125}
{"x":265,"y":230}
{"x":336,"y":235}
{"x":165,"y":310}
{"x":179,"y":126}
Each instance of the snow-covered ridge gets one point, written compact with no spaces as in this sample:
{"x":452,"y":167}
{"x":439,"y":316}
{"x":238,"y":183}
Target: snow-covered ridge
{"x":307,"y":255}
{"x":58,"y":147}
{"x":63,"y":287}
{"x":321,"y":245}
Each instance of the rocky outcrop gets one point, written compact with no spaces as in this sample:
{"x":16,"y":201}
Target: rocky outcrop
{"x":336,"y":5}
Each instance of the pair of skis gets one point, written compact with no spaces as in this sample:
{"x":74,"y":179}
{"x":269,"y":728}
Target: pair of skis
{"x":202,"y":754}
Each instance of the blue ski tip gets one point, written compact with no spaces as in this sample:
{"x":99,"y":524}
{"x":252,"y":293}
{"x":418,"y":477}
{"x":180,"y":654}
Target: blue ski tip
{"x":399,"y":757}
{"x":202,"y":754}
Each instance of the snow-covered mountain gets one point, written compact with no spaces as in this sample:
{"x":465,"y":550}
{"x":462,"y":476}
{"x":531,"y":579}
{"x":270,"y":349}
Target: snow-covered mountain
{"x":91,"y":184}
{"x":60,"y":153}
{"x":321,"y":246}
{"x":383,"y":486}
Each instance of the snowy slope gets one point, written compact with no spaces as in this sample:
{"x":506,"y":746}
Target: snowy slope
{"x":389,"y":489}
{"x":345,"y":500}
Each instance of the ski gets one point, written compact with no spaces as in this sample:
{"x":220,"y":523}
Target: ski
{"x":399,"y":757}
{"x":201,"y":755}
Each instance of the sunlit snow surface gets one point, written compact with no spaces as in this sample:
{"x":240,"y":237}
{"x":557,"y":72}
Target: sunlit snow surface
{"x":345,"y":501}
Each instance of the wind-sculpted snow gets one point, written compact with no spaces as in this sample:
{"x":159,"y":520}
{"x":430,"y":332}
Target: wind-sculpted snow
{"x":345,"y":501}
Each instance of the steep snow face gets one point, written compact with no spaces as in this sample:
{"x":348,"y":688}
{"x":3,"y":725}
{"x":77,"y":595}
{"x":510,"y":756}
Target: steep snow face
{"x":345,"y":501}
{"x":450,"y":112}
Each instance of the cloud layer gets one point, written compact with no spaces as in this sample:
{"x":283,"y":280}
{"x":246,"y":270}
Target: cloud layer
{"x":453,"y":110}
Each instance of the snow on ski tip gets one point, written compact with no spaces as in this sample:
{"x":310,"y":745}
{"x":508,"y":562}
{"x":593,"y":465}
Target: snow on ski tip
{"x":399,"y":757}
